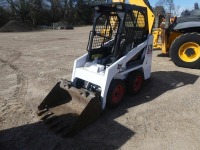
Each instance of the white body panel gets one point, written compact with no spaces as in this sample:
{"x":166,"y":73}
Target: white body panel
{"x":93,"y":72}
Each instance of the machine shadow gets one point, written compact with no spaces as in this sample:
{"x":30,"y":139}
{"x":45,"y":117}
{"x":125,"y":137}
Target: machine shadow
{"x":103,"y":134}
{"x":163,"y":55}
{"x":157,"y":49}
{"x":106,"y":132}
{"x":159,"y":83}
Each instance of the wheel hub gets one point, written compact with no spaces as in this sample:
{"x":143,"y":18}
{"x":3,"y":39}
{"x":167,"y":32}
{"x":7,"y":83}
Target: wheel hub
{"x":117,"y":94}
{"x":189,"y":52}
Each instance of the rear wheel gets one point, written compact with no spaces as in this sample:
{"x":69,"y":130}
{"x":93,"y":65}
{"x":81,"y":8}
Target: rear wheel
{"x":185,"y":50}
{"x":115,"y":93}
{"x":135,"y":81}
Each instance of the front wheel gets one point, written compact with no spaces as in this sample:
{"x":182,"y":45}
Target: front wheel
{"x":115,"y":93}
{"x":185,"y":51}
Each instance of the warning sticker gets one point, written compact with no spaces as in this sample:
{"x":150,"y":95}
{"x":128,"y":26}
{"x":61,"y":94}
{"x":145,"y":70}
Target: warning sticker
{"x":150,"y":48}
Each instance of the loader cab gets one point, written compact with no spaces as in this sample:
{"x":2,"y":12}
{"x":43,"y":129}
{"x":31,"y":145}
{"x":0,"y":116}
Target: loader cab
{"x":117,"y":29}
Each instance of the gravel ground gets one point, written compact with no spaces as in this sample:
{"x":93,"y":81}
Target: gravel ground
{"x":164,"y":115}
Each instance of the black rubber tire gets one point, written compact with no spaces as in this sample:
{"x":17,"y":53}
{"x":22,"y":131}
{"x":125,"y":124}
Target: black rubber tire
{"x":134,"y":82}
{"x":178,"y":42}
{"x":112,"y":100}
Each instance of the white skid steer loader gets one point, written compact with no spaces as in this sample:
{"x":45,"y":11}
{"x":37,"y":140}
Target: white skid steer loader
{"x":118,"y":61}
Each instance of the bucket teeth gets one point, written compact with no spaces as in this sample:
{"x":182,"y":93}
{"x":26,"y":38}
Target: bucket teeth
{"x":57,"y":125}
{"x":50,"y":119}
{"x":46,"y":115}
{"x":41,"y":112}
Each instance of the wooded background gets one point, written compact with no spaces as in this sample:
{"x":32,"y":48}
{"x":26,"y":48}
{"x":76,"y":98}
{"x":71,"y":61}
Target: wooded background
{"x":45,"y":12}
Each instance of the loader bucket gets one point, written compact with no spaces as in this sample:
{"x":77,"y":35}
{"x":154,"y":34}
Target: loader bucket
{"x":66,"y":109}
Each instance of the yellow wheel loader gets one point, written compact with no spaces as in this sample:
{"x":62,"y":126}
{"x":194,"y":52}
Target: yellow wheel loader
{"x":159,"y":20}
{"x":156,"y":37}
{"x":157,"y":31}
{"x":181,"y":39}
{"x":118,"y":60}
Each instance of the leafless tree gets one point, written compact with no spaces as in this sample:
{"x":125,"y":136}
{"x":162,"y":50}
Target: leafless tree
{"x":177,"y":10}
{"x":167,"y":4}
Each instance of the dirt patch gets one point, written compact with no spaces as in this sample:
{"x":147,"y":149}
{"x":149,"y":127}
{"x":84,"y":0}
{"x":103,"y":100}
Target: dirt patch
{"x":164,"y":115}
{"x":16,"y":26}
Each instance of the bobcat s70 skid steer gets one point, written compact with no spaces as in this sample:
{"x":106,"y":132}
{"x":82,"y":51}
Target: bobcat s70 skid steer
{"x":118,"y":60}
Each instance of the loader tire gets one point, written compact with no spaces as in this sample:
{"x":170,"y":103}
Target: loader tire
{"x":115,"y":93}
{"x":185,"y":51}
{"x":134,"y":82}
